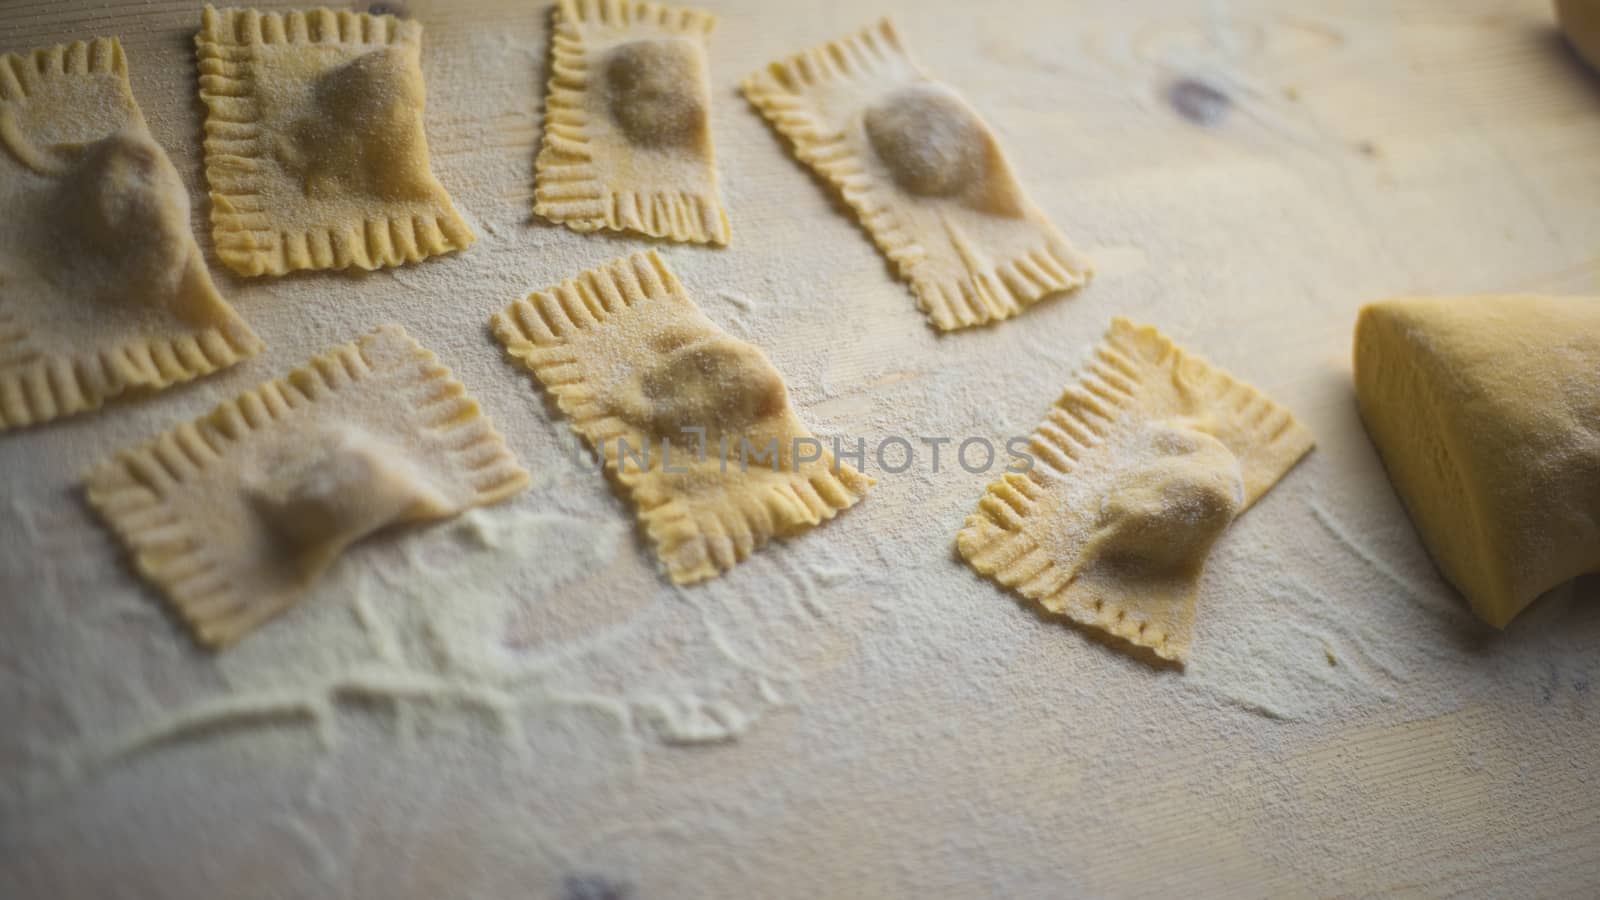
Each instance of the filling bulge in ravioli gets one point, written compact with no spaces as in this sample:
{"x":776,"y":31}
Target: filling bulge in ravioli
{"x":335,"y":486}
{"x":935,"y":146}
{"x":1163,"y":513}
{"x":125,"y":207}
{"x":931,"y":142}
{"x":716,"y":384}
{"x":361,"y":132}
{"x":652,"y":94}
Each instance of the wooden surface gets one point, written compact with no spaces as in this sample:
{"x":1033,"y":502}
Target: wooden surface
{"x":1245,"y":174}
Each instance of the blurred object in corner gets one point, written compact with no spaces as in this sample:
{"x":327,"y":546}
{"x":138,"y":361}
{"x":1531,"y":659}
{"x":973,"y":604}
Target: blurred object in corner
{"x":1580,"y":22}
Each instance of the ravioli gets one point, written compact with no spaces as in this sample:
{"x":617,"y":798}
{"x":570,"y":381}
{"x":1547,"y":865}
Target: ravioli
{"x":314,"y":145}
{"x":627,"y":142}
{"x":1139,"y":469}
{"x":1486,"y":411}
{"x":924,"y":174}
{"x":234,"y":516}
{"x":103,"y":289}
{"x":726,"y":464}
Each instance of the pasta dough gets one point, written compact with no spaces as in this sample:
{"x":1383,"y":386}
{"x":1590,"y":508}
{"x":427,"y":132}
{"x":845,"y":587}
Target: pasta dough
{"x":634,"y":364}
{"x":1486,"y":411}
{"x":235,"y":515}
{"x":627,"y":142}
{"x":102,"y":287}
{"x":925,"y":175}
{"x":1139,"y":468}
{"x":314,"y":144}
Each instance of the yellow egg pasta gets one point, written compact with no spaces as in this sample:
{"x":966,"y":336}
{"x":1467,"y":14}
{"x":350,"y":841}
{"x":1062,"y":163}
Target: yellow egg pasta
{"x":1486,"y":412}
{"x":726,"y":463}
{"x":103,"y":289}
{"x":627,"y":138}
{"x":235,"y":515}
{"x":314,"y":145}
{"x":924,"y":174}
{"x":1137,"y":470}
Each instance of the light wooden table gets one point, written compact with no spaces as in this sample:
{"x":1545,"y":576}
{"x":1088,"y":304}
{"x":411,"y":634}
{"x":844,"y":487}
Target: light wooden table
{"x":941,"y":739}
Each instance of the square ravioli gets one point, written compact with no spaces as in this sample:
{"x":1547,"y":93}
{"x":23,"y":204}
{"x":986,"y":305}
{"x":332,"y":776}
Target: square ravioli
{"x":627,"y":135}
{"x":314,"y":143}
{"x":1139,"y":468}
{"x":695,"y":425}
{"x":235,"y":515}
{"x":103,"y":289}
{"x":925,"y":175}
